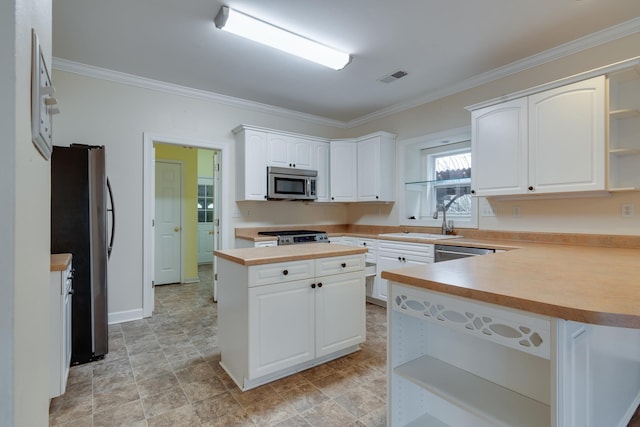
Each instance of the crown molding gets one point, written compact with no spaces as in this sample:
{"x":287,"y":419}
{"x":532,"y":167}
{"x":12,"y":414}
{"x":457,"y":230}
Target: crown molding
{"x":592,"y":40}
{"x":145,"y":83}
{"x":589,"y":41}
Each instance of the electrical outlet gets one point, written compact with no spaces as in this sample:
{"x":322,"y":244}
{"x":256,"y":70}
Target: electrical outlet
{"x":627,"y":210}
{"x":487,"y":210}
{"x":515,"y":212}
{"x":235,"y":213}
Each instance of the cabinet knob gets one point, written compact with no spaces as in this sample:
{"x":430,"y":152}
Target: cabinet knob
{"x":313,"y":286}
{"x":399,"y":258}
{"x":333,"y":198}
{"x":377,"y":197}
{"x":285,"y":272}
{"x":364,"y":243}
{"x":294,"y":165}
{"x":265,"y":197}
{"x":473,"y":191}
{"x":530,"y":188}
{"x":404,"y":259}
{"x":320,"y":284}
{"x":344,"y":264}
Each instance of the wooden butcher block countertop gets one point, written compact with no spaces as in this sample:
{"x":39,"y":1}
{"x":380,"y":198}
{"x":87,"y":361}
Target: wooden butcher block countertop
{"x":597,"y":285}
{"x":59,"y":262}
{"x":273,"y":254}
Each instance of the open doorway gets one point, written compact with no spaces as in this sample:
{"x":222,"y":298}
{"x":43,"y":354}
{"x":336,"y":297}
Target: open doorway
{"x":198,"y":159}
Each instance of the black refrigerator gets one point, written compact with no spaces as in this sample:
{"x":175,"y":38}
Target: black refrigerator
{"x":79,"y":222}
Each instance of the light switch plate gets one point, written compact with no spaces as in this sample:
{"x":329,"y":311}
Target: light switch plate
{"x":41,"y":100}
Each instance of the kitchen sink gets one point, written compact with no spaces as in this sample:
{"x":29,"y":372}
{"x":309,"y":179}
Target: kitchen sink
{"x":425,"y":236}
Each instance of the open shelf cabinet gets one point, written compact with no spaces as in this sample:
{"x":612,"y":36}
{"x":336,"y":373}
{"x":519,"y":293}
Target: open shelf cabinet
{"x":624,"y":130}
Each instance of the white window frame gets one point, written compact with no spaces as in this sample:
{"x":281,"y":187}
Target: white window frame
{"x":408,"y":151}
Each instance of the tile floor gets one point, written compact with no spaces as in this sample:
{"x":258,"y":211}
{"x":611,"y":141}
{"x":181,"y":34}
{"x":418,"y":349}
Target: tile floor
{"x":163,"y":371}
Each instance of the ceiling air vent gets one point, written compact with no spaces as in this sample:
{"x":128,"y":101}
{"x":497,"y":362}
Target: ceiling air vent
{"x":393,"y":77}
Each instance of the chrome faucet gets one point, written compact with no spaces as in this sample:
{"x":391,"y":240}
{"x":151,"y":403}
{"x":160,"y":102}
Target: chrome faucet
{"x":446,"y":227}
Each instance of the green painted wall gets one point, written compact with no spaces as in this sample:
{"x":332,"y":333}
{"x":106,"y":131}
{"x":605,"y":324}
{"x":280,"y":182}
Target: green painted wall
{"x":189,"y":158}
{"x":205,"y":163}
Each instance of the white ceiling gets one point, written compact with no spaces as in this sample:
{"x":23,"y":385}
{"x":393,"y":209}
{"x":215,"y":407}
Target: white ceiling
{"x":440,"y":43}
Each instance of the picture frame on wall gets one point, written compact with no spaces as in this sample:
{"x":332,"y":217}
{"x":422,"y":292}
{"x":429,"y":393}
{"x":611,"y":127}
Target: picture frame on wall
{"x":42,"y":100}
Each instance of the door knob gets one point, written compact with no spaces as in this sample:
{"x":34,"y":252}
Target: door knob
{"x":176,"y":229}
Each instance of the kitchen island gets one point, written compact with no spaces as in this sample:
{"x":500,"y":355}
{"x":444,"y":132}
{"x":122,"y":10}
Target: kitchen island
{"x":545,"y":335}
{"x":284,"y":309}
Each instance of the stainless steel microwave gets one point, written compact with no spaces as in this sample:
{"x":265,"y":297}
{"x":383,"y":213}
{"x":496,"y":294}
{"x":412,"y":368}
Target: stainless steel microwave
{"x":291,"y":184}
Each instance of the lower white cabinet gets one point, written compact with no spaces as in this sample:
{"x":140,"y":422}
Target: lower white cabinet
{"x":60,"y":294}
{"x":393,"y":255}
{"x":454,"y":361}
{"x":277,"y":319}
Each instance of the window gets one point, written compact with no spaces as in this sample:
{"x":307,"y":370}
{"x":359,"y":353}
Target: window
{"x":449,"y":173}
{"x":436,"y":170}
{"x":205,"y":203}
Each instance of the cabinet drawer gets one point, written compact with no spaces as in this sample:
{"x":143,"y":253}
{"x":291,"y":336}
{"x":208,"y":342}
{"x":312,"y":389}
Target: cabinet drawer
{"x":337,"y":265}
{"x":280,"y":272}
{"x":419,"y":249}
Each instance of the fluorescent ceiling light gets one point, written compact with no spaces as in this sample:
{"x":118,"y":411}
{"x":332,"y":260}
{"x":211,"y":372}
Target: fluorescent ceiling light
{"x":262,"y":32}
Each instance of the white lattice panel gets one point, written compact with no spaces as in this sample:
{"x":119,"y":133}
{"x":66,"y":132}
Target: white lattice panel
{"x":516,"y":329}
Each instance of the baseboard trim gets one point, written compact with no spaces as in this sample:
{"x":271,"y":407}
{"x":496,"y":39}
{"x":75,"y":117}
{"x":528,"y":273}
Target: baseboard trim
{"x":191,"y":280}
{"x":125,"y":316}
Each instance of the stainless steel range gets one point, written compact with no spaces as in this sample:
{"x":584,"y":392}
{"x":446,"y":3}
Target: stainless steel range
{"x":292,"y":237}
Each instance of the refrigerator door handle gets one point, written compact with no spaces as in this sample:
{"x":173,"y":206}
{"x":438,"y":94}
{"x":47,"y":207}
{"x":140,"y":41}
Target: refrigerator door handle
{"x":113,"y":219}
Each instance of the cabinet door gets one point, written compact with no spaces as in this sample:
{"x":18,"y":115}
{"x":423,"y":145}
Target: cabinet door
{"x":320,"y":162}
{"x":302,"y":153}
{"x":278,"y":147}
{"x":340,"y":312}
{"x":391,"y":261}
{"x":251,"y":165}
{"x":499,"y":149}
{"x":344,"y":167}
{"x":567,"y":138}
{"x":288,"y":151}
{"x":369,"y":169}
{"x":281,"y":326}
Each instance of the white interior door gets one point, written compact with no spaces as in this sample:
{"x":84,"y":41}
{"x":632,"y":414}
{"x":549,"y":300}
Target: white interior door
{"x":168,"y":222}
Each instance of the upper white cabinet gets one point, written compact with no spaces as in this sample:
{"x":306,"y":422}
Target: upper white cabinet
{"x":320,"y":162}
{"x":567,"y":138}
{"x":344,"y":171}
{"x":251,"y":164}
{"x":364,"y":169}
{"x":549,"y":142}
{"x":288,"y":151}
{"x":349,"y":170}
{"x":624,"y":129}
{"x":499,"y":150}
{"x":377,"y":168}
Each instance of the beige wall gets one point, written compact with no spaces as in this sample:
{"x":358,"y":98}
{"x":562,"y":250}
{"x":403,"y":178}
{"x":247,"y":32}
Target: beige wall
{"x":25,"y":223}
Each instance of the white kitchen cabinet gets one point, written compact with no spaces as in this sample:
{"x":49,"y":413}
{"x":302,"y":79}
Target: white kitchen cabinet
{"x":499,"y":154}
{"x":454,"y":361}
{"x":320,"y":162}
{"x":60,"y":297}
{"x":251,"y":164}
{"x":393,"y":255}
{"x":288,"y":151}
{"x":624,"y":130}
{"x":244,"y":243}
{"x":281,"y":326}
{"x":279,"y":318}
{"x":376,"y":175}
{"x":344,"y":171}
{"x":549,"y":142}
